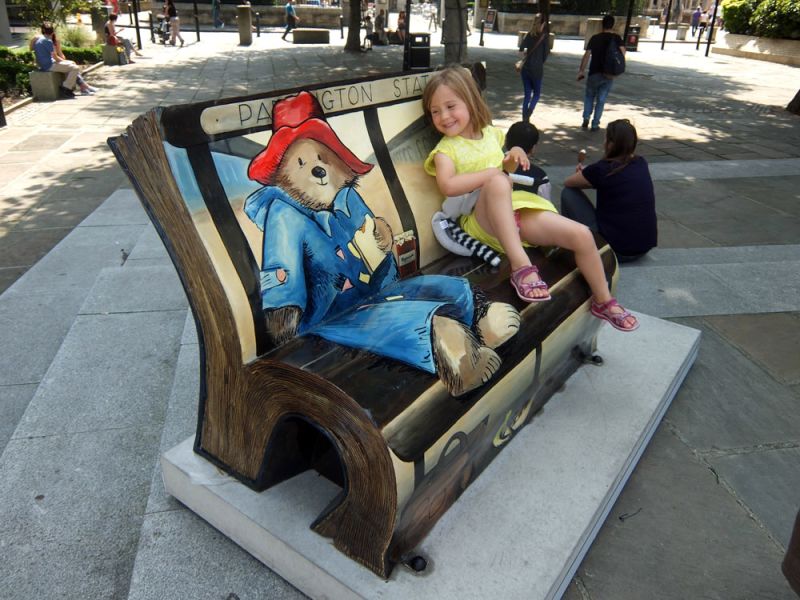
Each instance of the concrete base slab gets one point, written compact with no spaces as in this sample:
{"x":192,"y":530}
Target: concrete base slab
{"x":519,"y":531}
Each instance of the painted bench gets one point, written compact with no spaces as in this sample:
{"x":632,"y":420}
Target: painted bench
{"x":400,"y":445}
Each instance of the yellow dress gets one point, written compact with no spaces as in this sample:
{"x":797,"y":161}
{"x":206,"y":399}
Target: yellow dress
{"x":470,"y":156}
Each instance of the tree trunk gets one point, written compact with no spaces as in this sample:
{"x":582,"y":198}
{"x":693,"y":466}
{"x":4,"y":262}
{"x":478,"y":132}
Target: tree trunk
{"x":454,"y":31}
{"x":354,"y":27}
{"x":794,"y":105}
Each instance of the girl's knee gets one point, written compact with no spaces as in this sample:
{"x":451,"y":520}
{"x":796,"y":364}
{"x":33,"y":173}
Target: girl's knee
{"x":583,"y":236}
{"x":499,"y":182}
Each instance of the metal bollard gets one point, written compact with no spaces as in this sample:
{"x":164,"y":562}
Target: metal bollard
{"x":258,"y":24}
{"x":196,"y":21}
{"x":136,"y":21}
{"x":152,"y":31}
{"x":341,"y":25}
{"x":2,"y":114}
{"x":483,"y":23}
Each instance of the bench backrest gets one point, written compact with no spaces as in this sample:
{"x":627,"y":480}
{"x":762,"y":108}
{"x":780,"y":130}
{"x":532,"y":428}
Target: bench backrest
{"x":210,"y":145}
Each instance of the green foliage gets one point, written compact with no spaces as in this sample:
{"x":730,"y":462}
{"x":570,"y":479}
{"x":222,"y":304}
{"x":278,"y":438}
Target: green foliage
{"x":12,"y":72}
{"x":77,"y":37}
{"x":737,"y":14}
{"x":84,"y":56}
{"x":35,"y":12}
{"x":777,"y":19}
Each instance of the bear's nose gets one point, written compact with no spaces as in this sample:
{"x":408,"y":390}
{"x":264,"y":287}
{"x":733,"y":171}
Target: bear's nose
{"x":319,"y":172}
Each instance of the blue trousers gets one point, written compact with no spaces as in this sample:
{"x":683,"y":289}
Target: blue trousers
{"x":597,"y":89}
{"x":533,"y":90}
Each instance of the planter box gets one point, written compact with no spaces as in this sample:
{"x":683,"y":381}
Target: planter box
{"x":786,"y":52}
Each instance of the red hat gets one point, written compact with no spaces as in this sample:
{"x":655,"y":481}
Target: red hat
{"x":293,"y":118}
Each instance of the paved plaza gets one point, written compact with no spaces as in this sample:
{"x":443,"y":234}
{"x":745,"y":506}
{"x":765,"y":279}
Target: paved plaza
{"x":90,"y":302}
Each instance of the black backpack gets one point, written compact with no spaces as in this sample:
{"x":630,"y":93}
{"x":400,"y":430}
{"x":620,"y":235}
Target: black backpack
{"x":614,"y":60}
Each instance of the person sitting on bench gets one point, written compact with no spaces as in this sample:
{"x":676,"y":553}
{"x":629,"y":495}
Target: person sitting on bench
{"x":113,"y":39}
{"x":47,"y":60}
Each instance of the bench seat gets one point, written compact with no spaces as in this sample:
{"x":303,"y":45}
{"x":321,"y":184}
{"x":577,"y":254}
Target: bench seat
{"x":399,"y":445}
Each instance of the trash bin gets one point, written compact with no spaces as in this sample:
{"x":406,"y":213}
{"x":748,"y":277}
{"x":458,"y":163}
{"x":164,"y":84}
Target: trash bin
{"x":420,"y":51}
{"x":245,"y":22}
{"x":632,"y":39}
{"x":681,"y":35}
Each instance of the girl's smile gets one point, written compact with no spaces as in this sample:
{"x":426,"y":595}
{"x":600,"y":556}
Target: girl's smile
{"x":450,"y":114}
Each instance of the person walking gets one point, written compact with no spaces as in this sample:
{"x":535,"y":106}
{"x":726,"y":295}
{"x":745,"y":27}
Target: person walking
{"x":533,"y":51}
{"x":174,"y":23}
{"x":695,"y":20}
{"x":215,"y":14}
{"x":703,"y":21}
{"x":291,"y":18}
{"x":598,"y":83}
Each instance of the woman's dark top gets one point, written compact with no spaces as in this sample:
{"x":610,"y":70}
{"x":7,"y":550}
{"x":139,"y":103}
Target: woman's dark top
{"x":626,"y":205}
{"x":534,"y":59}
{"x":171,"y":10}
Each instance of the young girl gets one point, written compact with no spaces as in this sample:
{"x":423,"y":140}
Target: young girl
{"x":471,"y":168}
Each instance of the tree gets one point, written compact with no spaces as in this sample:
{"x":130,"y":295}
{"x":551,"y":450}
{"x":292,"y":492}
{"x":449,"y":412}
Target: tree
{"x":353,"y":42}
{"x":454,"y":31}
{"x":36,"y":12}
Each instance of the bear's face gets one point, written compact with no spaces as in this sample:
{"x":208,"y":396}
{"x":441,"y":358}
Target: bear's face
{"x":312,"y":174}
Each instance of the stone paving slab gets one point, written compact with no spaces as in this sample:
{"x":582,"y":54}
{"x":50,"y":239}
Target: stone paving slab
{"x":71,"y":508}
{"x":676,"y":533}
{"x":112,"y":371}
{"x":13,"y":401}
{"x":727,"y":402}
{"x":180,"y":422}
{"x":149,"y":246}
{"x":135,"y":289}
{"x":203,"y":564}
{"x":712,"y":289}
{"x":767,"y":481}
{"x":662,"y":257}
{"x":771,"y":340}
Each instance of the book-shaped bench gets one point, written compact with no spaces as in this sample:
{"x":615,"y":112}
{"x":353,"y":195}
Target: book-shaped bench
{"x":335,"y":334}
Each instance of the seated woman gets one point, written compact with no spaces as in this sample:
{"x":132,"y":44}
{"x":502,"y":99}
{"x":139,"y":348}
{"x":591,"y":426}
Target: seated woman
{"x":114,"y":39}
{"x":85,"y":88}
{"x":626,"y":205}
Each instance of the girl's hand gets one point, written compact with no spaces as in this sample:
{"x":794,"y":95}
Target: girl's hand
{"x":516,"y":157}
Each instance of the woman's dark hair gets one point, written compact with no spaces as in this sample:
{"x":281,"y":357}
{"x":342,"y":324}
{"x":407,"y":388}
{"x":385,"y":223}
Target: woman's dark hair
{"x":47,"y":28}
{"x":112,"y":17}
{"x":608,"y":21}
{"x":522,"y":134}
{"x":621,"y":140}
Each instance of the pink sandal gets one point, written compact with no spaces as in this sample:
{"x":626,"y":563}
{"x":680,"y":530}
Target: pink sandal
{"x":617,"y":319}
{"x":524,"y":288}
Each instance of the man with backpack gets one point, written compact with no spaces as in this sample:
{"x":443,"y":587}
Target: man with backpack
{"x":607,"y":52}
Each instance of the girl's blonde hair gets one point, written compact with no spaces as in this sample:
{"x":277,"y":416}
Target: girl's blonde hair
{"x":459,"y":80}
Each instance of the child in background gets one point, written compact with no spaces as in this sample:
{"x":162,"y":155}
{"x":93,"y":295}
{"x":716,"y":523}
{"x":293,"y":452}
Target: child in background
{"x":526,"y":136}
{"x":471,"y":171}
